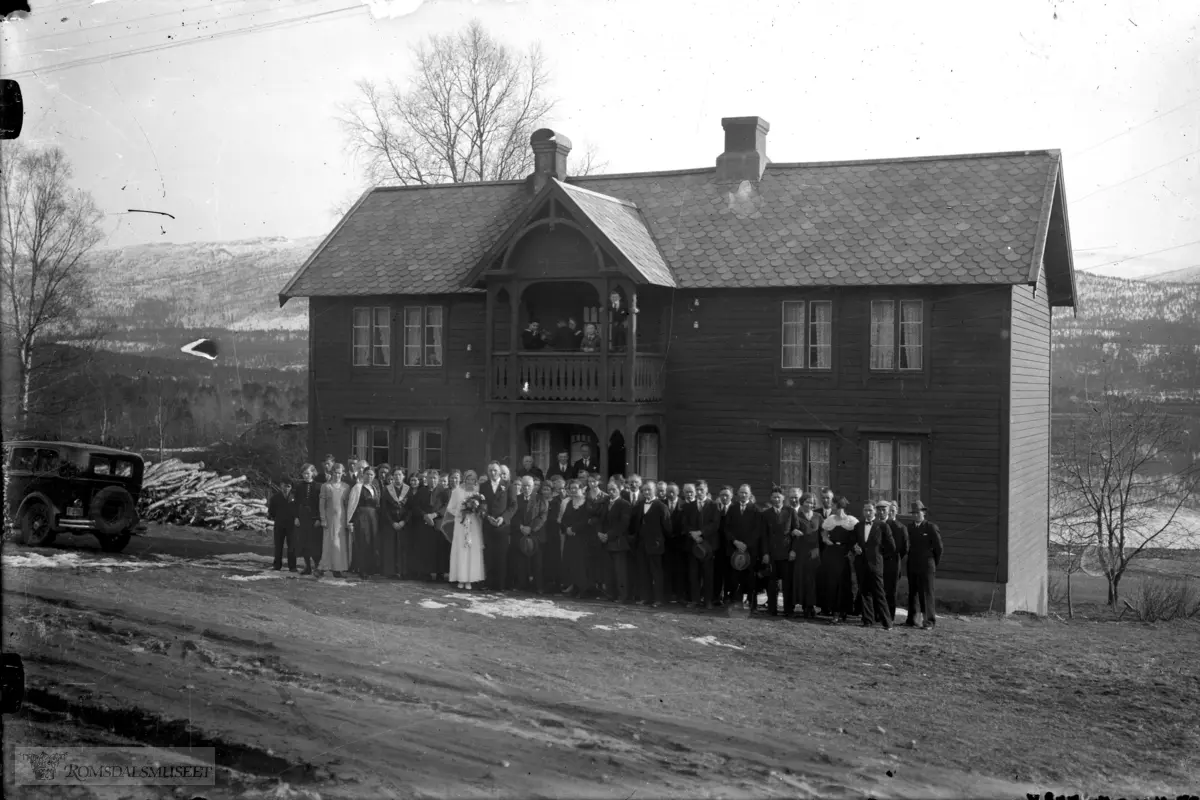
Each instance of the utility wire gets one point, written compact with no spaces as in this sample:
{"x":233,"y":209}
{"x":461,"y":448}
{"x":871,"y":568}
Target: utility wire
{"x":1143,"y":255}
{"x":1134,"y":178}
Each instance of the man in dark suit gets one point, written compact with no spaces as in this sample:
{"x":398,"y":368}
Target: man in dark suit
{"x":614,"y":535}
{"x":675,"y":565}
{"x":528,"y":468}
{"x":649,"y":528}
{"x":721,"y":580}
{"x":778,"y":545}
{"x":699,"y":522}
{"x":585,"y":463}
{"x":891,"y":558}
{"x":529,"y":520}
{"x":326,"y":473}
{"x":743,"y":532}
{"x":562,"y":467}
{"x":872,"y":537}
{"x":924,"y":555}
{"x":498,"y":510}
{"x":633,"y":488}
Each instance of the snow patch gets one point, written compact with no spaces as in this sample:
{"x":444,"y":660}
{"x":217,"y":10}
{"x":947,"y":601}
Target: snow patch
{"x":620,"y":626}
{"x":492,"y":606}
{"x":336,"y":582}
{"x":72,"y":561}
{"x":712,"y":641}
{"x":432,"y":604}
{"x":259,"y":576}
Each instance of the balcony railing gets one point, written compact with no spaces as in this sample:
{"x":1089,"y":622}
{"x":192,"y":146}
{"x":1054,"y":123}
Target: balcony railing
{"x":575,"y":377}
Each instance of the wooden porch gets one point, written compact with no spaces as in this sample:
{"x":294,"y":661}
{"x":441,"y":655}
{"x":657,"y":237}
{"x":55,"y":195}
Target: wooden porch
{"x":576,"y":377}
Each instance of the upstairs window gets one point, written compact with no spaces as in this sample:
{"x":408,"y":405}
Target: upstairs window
{"x":807,"y":334}
{"x":897,"y":340}
{"x":372,"y":337}
{"x":423,"y":336}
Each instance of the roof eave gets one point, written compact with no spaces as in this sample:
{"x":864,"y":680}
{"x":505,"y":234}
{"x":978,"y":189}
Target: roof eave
{"x":286,"y":294}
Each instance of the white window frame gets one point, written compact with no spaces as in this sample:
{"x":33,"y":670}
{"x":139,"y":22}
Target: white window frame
{"x":806,"y":345}
{"x":364,"y":443}
{"x":371,"y":336}
{"x":415,"y":449}
{"x":539,"y":448}
{"x":801,"y":448}
{"x":424,"y":337}
{"x":897,"y":450}
{"x":906,"y":340}
{"x":648,"y":443}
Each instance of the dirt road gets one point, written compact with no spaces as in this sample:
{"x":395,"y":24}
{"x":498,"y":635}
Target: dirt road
{"x":348,"y":688}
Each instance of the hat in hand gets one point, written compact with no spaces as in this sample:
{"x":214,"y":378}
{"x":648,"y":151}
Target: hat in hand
{"x":740,"y":560}
{"x":701,"y":550}
{"x":528,"y":545}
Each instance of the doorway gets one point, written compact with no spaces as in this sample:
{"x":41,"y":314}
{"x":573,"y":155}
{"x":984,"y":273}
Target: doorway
{"x":616,"y":454}
{"x":545,"y":440}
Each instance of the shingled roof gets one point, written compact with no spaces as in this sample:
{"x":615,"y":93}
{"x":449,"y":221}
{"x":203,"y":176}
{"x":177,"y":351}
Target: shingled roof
{"x":971,"y":219}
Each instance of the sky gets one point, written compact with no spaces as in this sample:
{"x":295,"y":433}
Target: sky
{"x":224,"y":114}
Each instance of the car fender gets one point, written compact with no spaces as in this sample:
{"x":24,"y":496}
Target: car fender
{"x":34,"y":497}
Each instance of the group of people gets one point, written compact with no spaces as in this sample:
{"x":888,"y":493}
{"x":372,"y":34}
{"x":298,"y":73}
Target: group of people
{"x":626,"y":540}
{"x":568,"y":336}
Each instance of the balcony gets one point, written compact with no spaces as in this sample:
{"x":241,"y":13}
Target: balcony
{"x":575,"y":377}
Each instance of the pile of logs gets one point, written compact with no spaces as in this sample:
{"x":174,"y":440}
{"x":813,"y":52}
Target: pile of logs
{"x":187,"y":494}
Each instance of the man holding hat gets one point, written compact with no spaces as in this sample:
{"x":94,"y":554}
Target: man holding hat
{"x":924,"y":554}
{"x":614,"y":536}
{"x":530,"y":522}
{"x":892,"y":556}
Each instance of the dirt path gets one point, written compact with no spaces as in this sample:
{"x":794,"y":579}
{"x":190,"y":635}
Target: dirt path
{"x":355,"y":689}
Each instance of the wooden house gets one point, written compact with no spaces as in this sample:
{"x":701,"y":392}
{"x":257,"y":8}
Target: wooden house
{"x":881,"y":327}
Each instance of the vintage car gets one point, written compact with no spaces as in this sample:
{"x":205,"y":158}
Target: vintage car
{"x":65,"y":487}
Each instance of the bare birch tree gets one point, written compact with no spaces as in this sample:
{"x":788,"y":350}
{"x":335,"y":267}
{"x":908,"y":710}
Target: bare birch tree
{"x":466,"y":114}
{"x":46,"y":229}
{"x":1124,"y":471}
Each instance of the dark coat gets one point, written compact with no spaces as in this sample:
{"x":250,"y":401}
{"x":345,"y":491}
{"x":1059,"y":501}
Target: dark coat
{"x":567,"y":471}
{"x":745,"y":527}
{"x":591,"y":465}
{"x":531,"y":512}
{"x":533,"y":472}
{"x":497,"y":504}
{"x":614,"y":521}
{"x":307,"y":499}
{"x":687,"y":518}
{"x":900,"y":537}
{"x":777,"y":527}
{"x":394,"y":510}
{"x":650,"y":530}
{"x":710,"y":524}
{"x":924,"y":547}
{"x":531,"y":340}
{"x":879,"y":539}
{"x":281,"y":509}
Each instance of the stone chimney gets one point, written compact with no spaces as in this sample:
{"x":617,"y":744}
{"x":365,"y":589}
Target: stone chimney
{"x":550,"y":151}
{"x":745,"y":155}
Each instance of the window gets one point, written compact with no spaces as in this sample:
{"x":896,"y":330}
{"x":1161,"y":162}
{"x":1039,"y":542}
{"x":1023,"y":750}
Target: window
{"x":99,"y":465}
{"x":894,"y":471}
{"x":897,"y":340}
{"x":647,"y":455}
{"x":804,"y":462}
{"x":539,"y":448}
{"x":372,"y":443}
{"x":372,"y":337}
{"x":807,"y":334}
{"x":422,"y":448}
{"x":423,"y":336}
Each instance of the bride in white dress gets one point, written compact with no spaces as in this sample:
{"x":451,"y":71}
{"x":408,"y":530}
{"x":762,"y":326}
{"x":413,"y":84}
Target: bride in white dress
{"x":466,"y":549}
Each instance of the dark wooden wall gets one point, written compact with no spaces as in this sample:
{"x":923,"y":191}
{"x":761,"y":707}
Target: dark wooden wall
{"x":728,"y":401}
{"x":346,"y":395}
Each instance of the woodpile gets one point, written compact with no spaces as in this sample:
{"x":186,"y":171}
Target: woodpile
{"x":187,"y":494}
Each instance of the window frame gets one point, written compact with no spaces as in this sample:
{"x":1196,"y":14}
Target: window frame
{"x":372,"y":363}
{"x":805,"y":344}
{"x":781,"y":437}
{"x":897,"y":302}
{"x":372,"y":428}
{"x":642,"y":459}
{"x":423,"y":345}
{"x":924,"y":443}
{"x":424,"y":426}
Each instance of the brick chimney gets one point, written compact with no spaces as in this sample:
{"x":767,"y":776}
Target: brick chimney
{"x":550,"y":151}
{"x":745,"y":155}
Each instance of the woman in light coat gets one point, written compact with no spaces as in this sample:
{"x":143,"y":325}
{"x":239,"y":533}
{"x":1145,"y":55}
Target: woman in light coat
{"x":335,"y":549}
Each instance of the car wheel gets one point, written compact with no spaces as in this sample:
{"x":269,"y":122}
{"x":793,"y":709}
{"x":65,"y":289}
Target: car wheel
{"x":114,"y":544}
{"x":36,"y":530}
{"x":113,"y":510}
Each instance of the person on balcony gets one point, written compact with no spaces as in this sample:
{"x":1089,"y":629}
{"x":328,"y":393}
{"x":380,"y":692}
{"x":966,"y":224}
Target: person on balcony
{"x":576,"y":332}
{"x":591,"y":339}
{"x":618,"y":322}
{"x":533,"y":338}
{"x":563,"y":337}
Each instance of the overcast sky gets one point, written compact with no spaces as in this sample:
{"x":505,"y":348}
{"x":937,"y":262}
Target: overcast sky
{"x":223,"y":113}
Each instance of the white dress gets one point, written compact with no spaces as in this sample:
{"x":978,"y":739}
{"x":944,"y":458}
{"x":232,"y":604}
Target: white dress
{"x":466,"y":549}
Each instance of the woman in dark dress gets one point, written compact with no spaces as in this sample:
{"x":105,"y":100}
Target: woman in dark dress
{"x":393,"y":517}
{"x":362,"y":509}
{"x":552,"y":551}
{"x":807,"y":543}
{"x":420,"y":562}
{"x":306,"y":495}
{"x":575,"y":521}
{"x":837,"y":531}
{"x":597,"y":555}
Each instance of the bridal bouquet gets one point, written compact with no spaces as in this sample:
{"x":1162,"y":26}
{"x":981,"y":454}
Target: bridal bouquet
{"x":472,"y":505}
